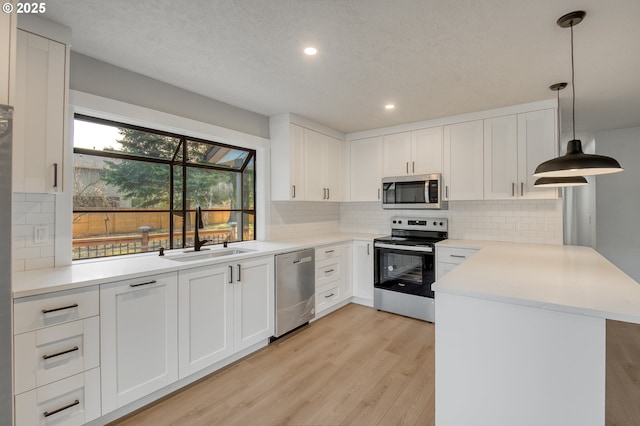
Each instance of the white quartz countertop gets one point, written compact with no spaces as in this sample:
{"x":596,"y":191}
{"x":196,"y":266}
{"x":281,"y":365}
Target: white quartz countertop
{"x":100,"y":271}
{"x":564,"y":278}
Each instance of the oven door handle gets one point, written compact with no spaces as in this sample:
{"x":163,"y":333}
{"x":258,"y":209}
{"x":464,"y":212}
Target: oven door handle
{"x":407,"y":248}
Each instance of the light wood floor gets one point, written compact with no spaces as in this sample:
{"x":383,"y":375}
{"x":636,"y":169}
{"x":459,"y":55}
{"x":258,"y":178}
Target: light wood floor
{"x":357,"y":366}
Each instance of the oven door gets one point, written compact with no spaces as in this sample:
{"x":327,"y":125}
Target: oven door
{"x":405,"y":269}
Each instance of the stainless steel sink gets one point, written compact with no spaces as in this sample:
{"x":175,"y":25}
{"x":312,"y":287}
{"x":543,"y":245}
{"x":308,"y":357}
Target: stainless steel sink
{"x":201,"y":255}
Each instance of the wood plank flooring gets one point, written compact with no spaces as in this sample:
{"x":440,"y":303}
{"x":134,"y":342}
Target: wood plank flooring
{"x":623,"y":374}
{"x":356,"y":366}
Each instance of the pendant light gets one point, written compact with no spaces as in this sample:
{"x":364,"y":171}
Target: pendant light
{"x":575,"y":162}
{"x":555,"y":182}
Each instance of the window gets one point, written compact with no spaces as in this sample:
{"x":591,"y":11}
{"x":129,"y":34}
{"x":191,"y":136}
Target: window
{"x":136,"y":189}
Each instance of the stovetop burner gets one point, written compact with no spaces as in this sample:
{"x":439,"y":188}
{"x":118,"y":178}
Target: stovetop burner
{"x":416,"y":231}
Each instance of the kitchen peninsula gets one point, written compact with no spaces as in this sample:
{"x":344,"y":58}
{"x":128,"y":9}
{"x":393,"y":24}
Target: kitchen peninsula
{"x":520,"y":334}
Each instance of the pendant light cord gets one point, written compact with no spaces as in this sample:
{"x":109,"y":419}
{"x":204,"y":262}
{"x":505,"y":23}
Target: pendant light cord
{"x":573,"y":87}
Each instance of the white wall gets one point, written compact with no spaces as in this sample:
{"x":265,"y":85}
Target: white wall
{"x":100,"y":78}
{"x":618,"y":201}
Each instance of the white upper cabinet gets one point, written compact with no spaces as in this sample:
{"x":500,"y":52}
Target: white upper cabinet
{"x":536,"y":143}
{"x":7,"y":56}
{"x":366,"y":169}
{"x":501,"y":158}
{"x":287,"y":159}
{"x":323,"y":167}
{"x":397,"y":154}
{"x":463,"y":161}
{"x":426,"y":151}
{"x":39,"y":115}
{"x":514,"y":145}
{"x":305,"y":164}
{"x":413,"y":153}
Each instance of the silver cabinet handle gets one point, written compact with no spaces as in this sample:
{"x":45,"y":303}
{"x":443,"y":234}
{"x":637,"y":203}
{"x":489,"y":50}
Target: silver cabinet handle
{"x":294,"y":191}
{"x":51,"y":413}
{"x":328,"y":271}
{"x":513,"y":189}
{"x":46,"y":311}
{"x":328,"y":251}
{"x":329,"y":295}
{"x":239,"y":273}
{"x":75,"y":348}
{"x":407,"y":167}
{"x":141,"y":284}
{"x":328,"y":193}
{"x":368,"y":245}
{"x":413,"y":167}
{"x":55,"y":175}
{"x":378,"y":193}
{"x":522,"y":189}
{"x":446,"y":191}
{"x":458,"y":255}
{"x":230,"y":274}
{"x":324,"y":193}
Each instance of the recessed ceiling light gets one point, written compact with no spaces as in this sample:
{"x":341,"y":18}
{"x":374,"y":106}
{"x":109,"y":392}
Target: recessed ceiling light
{"x":310,"y":51}
{"x":389,"y":106}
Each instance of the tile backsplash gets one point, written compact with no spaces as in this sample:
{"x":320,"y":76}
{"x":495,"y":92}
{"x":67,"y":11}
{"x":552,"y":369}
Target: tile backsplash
{"x":531,"y":221}
{"x":528,"y":221}
{"x":29,"y":211}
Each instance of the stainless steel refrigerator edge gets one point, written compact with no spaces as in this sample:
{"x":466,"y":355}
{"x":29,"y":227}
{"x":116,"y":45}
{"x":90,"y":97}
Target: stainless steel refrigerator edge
{"x":295,"y":290}
{"x":6,"y":364}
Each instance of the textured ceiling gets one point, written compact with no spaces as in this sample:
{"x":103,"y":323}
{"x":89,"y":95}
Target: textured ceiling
{"x":432,"y":58}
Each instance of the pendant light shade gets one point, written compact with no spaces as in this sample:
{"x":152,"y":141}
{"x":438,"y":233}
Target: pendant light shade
{"x":555,"y":182}
{"x":575,"y":162}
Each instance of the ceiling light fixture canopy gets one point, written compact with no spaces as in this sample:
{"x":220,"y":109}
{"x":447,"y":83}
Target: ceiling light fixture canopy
{"x":310,"y":51}
{"x":575,"y":162}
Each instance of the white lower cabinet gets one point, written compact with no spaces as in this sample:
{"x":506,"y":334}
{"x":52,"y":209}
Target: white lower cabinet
{"x":72,"y":401}
{"x":223,"y":309}
{"x":139,"y":338}
{"x":57,"y":358}
{"x":205,"y":324}
{"x":363,"y":272}
{"x":448,"y":258}
{"x":333,"y":276}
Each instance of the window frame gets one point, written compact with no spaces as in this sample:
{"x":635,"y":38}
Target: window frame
{"x":185,"y":165}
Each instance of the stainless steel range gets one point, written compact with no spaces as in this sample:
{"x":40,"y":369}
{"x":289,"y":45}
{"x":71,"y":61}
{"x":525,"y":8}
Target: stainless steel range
{"x":405,"y":266}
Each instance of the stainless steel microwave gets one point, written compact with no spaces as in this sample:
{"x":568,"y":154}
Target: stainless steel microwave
{"x":413,"y":192}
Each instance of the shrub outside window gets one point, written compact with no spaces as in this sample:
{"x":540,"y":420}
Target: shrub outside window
{"x":136,"y":189}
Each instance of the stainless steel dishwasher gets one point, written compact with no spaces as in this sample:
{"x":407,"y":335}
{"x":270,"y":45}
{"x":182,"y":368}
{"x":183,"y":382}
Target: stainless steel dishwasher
{"x":295,"y":290}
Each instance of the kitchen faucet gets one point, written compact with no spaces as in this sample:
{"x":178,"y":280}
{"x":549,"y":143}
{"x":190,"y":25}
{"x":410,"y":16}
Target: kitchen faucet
{"x":197,"y":243}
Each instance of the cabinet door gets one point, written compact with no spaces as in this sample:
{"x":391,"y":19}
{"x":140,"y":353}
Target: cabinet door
{"x":253,"y":302}
{"x":366,"y":169}
{"x":315,"y":166}
{"x":205,"y":317}
{"x":397,"y":154}
{"x":296,"y":162}
{"x":501,"y":158}
{"x":426,"y":151}
{"x":536,"y":143}
{"x":39,"y":114}
{"x":363,"y":271}
{"x":333,"y":168}
{"x":139,"y":338}
{"x":463,"y":161}
{"x":346,"y":289}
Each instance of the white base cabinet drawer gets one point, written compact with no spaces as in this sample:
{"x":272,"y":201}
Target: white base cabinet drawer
{"x":328,"y":270}
{"x":327,"y":295}
{"x":454,"y":254}
{"x":50,"y":354}
{"x":35,"y":312}
{"x":69,"y":402}
{"x":328,"y":252}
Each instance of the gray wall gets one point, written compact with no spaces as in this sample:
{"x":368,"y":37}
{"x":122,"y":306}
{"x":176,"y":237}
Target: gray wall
{"x":618,"y":201}
{"x":100,"y":78}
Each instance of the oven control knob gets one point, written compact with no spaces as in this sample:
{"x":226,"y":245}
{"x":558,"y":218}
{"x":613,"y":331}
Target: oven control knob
{"x":400,"y":222}
{"x":435,"y":223}
{"x":394,"y":221}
